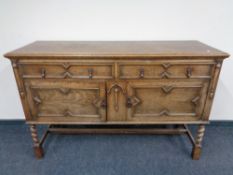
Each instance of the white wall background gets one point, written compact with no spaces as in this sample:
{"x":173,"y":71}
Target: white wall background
{"x":24,"y":21}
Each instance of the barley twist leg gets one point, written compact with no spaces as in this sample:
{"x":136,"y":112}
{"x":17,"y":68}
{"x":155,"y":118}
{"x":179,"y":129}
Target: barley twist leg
{"x":196,"y":153}
{"x":36,"y":143}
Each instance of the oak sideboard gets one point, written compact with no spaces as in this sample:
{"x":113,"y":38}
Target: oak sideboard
{"x":114,"y":85}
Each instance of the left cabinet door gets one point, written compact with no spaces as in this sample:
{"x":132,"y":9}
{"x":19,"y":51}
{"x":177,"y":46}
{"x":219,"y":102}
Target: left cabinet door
{"x":66,"y":101}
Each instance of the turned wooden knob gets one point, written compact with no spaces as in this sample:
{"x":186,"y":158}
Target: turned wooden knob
{"x":43,"y":73}
{"x":189,"y":72}
{"x":141,"y":73}
{"x":90,"y":73}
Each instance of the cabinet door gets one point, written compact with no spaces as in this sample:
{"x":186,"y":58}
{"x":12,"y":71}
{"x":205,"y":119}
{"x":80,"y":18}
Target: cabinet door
{"x":66,"y":101}
{"x":165,"y":101}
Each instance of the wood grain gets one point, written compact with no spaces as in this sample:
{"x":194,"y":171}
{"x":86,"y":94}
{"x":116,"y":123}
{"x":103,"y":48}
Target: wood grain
{"x":120,"y":83}
{"x":66,"y":99}
{"x":133,"y":49}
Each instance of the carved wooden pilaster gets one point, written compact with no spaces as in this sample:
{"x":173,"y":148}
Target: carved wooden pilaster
{"x":215,"y":79}
{"x":198,"y":142}
{"x":15,"y":65}
{"x":212,"y":87}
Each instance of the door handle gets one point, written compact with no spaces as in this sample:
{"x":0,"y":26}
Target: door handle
{"x":132,"y":101}
{"x":100,"y":103}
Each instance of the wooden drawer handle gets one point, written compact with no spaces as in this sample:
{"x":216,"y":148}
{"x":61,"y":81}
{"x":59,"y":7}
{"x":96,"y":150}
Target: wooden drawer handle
{"x":43,"y":73}
{"x":189,"y":72}
{"x":141,"y":73}
{"x":90,"y":73}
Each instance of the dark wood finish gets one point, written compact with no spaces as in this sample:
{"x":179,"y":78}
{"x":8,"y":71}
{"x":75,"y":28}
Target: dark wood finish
{"x":121,"y":83}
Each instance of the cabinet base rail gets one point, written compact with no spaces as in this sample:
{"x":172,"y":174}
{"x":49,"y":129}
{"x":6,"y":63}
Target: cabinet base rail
{"x":150,"y":130}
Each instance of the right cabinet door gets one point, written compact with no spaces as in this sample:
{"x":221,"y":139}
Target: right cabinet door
{"x":165,"y":101}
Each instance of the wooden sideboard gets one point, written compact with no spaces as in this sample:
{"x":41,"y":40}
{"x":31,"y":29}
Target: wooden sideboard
{"x":67,"y":83}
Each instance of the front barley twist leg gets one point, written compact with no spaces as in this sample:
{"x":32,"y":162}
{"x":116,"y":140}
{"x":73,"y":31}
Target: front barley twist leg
{"x":197,"y":148}
{"x":36,"y":144}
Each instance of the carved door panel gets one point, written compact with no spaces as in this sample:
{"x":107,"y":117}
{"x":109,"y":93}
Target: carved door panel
{"x":165,"y":101}
{"x":66,"y":100}
{"x":116,"y":99}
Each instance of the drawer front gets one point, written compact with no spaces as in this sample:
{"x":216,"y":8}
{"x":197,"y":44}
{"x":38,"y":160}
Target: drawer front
{"x":66,"y":101}
{"x":67,"y":70}
{"x":166,"y":101}
{"x":164,"y":71}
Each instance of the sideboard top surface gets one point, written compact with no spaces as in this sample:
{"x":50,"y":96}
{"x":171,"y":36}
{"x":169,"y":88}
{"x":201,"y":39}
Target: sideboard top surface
{"x":129,"y":49}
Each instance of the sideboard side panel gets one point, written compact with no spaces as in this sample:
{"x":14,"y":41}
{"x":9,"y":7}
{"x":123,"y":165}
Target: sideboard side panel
{"x":21,"y":89}
{"x":212,"y":90}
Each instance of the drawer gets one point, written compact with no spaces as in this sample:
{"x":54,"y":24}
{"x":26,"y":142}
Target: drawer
{"x":164,"y":70}
{"x":66,"y":100}
{"x":67,"y":70}
{"x":166,"y":101}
